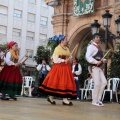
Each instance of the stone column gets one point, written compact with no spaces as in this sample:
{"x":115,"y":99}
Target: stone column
{"x":60,"y":18}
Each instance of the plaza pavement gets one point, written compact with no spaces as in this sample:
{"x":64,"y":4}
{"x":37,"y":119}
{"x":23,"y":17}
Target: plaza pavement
{"x":39,"y":109}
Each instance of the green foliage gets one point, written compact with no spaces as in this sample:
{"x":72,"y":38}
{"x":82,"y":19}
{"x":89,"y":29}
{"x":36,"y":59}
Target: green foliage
{"x":3,"y":46}
{"x":115,"y":63}
{"x":42,"y":53}
{"x":52,"y":46}
{"x":84,"y":66}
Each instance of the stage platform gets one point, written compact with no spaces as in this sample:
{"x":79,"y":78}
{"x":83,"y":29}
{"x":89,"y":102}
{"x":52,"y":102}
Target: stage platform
{"x":39,"y":109}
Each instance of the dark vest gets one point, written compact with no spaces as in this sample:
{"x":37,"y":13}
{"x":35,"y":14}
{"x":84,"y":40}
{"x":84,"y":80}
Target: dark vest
{"x":99,"y":55}
{"x":76,"y":67}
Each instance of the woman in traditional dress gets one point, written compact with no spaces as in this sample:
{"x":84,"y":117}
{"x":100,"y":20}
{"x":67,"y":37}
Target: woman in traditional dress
{"x":60,"y":81}
{"x":10,"y":76}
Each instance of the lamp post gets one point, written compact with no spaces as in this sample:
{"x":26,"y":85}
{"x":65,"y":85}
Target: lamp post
{"x":106,"y":22}
{"x":95,"y":27}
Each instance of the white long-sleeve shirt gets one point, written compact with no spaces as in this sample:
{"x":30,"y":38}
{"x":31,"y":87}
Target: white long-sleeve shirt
{"x":79,"y":71}
{"x":56,"y":59}
{"x":91,"y":51}
{"x":40,"y":66}
{"x":7,"y":59}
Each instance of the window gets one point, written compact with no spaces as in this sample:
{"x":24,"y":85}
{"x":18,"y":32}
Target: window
{"x":29,"y":53}
{"x":43,"y":39}
{"x":43,"y":21}
{"x":43,"y":4}
{"x":3,"y":29}
{"x":43,"y":36}
{"x":17,"y":13}
{"x":31,"y":17}
{"x":32,"y":1}
{"x":30,"y":35}
{"x":3,"y":10}
{"x":16,"y":32}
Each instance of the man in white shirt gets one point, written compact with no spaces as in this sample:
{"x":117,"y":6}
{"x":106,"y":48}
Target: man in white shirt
{"x":94,"y":55}
{"x":76,"y":70}
{"x":43,"y":69}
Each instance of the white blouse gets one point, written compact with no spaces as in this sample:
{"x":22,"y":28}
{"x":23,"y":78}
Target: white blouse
{"x":7,"y":59}
{"x":56,"y":59}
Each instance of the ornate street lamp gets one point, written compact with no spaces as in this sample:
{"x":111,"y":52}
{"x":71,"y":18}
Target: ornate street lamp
{"x":106,"y":22}
{"x":107,"y":19}
{"x":95,"y":27}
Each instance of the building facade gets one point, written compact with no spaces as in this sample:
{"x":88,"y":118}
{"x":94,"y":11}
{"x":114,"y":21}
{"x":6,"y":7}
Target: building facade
{"x":77,"y":28}
{"x":27,"y":22}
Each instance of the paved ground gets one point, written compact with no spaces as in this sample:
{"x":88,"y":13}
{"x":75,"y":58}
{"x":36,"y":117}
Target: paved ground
{"x":40,"y":109}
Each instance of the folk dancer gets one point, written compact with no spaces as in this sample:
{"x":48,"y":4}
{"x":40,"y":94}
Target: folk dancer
{"x":10,"y":76}
{"x":59,"y":81}
{"x":94,"y":55}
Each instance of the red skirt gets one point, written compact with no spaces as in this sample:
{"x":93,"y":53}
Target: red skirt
{"x":10,"y":80}
{"x":59,"y":82}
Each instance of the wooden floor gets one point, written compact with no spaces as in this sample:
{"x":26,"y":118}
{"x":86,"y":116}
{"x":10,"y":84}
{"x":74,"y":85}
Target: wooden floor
{"x":40,"y":109}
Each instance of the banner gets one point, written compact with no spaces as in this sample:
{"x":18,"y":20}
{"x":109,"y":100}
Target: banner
{"x":82,"y":7}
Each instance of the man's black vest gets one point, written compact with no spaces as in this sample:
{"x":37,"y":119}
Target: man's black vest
{"x":76,"y":67}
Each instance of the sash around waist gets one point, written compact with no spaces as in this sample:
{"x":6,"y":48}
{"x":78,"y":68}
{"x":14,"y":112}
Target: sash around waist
{"x":63,"y":57}
{"x":96,"y":64}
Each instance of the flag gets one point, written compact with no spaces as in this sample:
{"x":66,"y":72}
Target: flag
{"x":82,"y":7}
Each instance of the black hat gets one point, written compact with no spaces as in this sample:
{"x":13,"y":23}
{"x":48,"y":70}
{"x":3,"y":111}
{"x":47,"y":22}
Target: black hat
{"x":96,"y":34}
